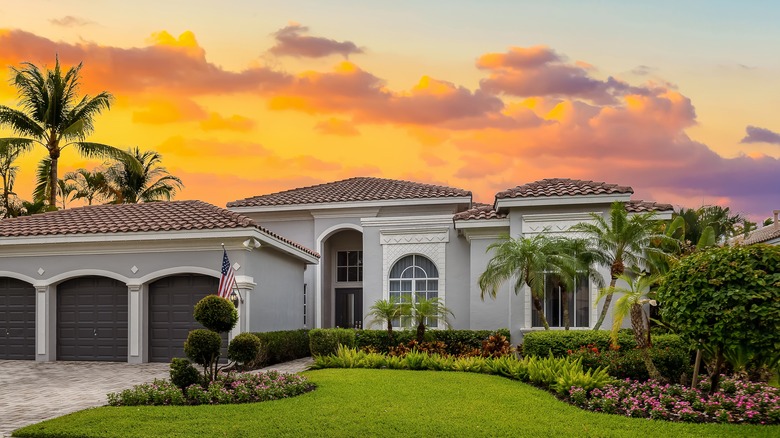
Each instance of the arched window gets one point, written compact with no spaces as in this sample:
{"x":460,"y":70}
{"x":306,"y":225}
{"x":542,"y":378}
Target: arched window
{"x":414,"y":277}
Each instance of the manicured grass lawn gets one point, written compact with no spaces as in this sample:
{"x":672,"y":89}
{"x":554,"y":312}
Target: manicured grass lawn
{"x":365,"y":402}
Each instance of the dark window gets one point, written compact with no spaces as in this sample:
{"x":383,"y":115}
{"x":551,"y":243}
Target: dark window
{"x":349,"y":266}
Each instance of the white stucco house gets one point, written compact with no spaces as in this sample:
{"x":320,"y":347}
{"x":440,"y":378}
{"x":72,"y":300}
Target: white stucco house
{"x":118,"y":282}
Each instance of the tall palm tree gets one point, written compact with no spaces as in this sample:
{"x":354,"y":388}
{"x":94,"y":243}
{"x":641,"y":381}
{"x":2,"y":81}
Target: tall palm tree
{"x":64,"y":189}
{"x":89,"y":185}
{"x":151,"y":183}
{"x":583,"y":268}
{"x":385,"y":312}
{"x":423,"y":311}
{"x":526,"y":260}
{"x":624,"y":239}
{"x":53,"y":116}
{"x":634,"y":296}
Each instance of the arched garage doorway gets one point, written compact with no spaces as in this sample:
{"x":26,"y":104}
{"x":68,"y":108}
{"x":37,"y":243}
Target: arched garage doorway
{"x":171,"y":302}
{"x":92,"y":319}
{"x":17,"y":319}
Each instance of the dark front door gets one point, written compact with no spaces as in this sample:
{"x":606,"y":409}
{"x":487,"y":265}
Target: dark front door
{"x":349,"y":308}
{"x":92,"y":319}
{"x":171,"y":303}
{"x":17,"y":319}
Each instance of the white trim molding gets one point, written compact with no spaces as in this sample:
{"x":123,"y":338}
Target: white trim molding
{"x":561,"y":200}
{"x":318,"y":267}
{"x":355,"y":204}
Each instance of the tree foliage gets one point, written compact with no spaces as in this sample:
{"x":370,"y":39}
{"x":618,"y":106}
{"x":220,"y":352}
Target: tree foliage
{"x":728,"y":298}
{"x":151,"y":182}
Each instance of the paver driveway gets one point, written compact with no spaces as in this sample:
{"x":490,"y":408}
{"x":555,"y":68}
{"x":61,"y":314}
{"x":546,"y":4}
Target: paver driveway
{"x":31,"y":392}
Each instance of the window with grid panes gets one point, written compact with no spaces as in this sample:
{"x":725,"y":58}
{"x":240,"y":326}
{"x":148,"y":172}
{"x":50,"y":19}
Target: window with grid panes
{"x":557,"y":298}
{"x":349,"y":266}
{"x":411,"y":278}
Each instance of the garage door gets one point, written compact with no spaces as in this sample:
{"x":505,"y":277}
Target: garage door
{"x":17,"y":319}
{"x":92,"y":320}
{"x":171,"y":302}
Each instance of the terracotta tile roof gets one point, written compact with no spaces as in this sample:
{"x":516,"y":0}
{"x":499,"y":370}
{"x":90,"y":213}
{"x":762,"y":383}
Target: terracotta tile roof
{"x":764,"y":234}
{"x":645,"y":206}
{"x":352,"y":190}
{"x":479,"y":212}
{"x":563,"y":187}
{"x":133,"y":218}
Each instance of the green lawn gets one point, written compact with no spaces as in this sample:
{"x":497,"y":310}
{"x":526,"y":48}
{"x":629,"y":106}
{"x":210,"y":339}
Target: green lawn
{"x":364,"y":402}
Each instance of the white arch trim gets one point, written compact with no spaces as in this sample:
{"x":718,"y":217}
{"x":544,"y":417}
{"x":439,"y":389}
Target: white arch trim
{"x":19,"y":276}
{"x":84,"y":273}
{"x":148,"y":278}
{"x":318,"y":269}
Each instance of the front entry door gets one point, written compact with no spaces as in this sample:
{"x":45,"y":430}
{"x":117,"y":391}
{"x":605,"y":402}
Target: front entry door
{"x":349,"y":308}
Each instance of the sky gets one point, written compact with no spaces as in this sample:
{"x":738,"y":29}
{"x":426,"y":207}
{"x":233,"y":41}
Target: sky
{"x":678,"y":100}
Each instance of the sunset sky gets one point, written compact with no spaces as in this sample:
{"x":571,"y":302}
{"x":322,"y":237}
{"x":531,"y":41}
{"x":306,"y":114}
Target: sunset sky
{"x":680,"y":100}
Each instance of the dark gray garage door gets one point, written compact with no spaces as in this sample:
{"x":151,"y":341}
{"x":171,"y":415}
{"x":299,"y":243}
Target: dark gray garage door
{"x":92,"y":319}
{"x":17,"y":319}
{"x":171,"y":302}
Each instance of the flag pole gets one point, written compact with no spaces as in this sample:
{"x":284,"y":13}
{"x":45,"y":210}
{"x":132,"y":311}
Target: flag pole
{"x":234,"y":286}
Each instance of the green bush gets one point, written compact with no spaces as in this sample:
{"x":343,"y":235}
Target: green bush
{"x":457,"y":342}
{"x":244,"y":348}
{"x":202,"y":347}
{"x":216,"y":313}
{"x":282,"y":346}
{"x":379,"y":341}
{"x":326,"y":341}
{"x":562,"y":342}
{"x":672,"y":362}
{"x":183,"y":374}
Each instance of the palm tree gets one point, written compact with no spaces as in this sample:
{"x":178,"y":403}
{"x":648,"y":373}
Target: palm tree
{"x":8,"y":171}
{"x":65,"y":190}
{"x":526,"y":260}
{"x":89,"y":185}
{"x":151,"y":183}
{"x":635,"y":295}
{"x":385,"y":311}
{"x":583,"y":268}
{"x":623,"y":240}
{"x":423,"y":311}
{"x":53,"y":116}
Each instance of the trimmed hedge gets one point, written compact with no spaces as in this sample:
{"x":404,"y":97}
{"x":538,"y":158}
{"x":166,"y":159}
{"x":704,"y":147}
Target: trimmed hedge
{"x":323,"y":342}
{"x":560,"y":342}
{"x":457,"y":341}
{"x":282,"y":346}
{"x":672,"y":362}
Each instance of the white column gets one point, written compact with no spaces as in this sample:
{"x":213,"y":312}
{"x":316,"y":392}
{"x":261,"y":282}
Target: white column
{"x":135,"y":324}
{"x":45,"y":323}
{"x":245,"y":287}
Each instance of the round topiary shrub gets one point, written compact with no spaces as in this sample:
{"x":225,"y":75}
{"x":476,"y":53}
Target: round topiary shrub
{"x":244,"y":348}
{"x":183,"y":374}
{"x":202,"y":347}
{"x":216,"y":313}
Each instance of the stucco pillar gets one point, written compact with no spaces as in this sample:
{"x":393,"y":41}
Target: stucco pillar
{"x":136,"y":324}
{"x":45,"y":323}
{"x":245,"y":287}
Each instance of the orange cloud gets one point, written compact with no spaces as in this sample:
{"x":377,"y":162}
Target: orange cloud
{"x":160,"y":111}
{"x":216,"y":122}
{"x":334,"y":126}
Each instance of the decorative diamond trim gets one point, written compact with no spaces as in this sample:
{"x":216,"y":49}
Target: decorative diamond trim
{"x":134,"y":269}
{"x":236,"y":266}
{"x":41,"y":271}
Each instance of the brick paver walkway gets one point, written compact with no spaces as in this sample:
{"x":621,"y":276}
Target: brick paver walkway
{"x":31,"y":392}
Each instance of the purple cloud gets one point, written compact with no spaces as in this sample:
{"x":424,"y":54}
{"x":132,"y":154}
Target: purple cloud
{"x":760,"y":135}
{"x":290,"y":41}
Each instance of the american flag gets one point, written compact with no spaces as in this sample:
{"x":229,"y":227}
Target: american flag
{"x":227,"y":279}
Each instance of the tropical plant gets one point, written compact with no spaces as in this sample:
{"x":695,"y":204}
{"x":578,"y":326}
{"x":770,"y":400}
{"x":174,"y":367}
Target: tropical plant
{"x":526,"y":260}
{"x":708,"y":226}
{"x":8,"y":171}
{"x":385,"y":312}
{"x":65,"y":189}
{"x":152,"y":182}
{"x":727,"y":300}
{"x":635,"y":294}
{"x":425,"y":311}
{"x":53,"y":116}
{"x":623,"y":240}
{"x":89,"y":185}
{"x":582,"y":267}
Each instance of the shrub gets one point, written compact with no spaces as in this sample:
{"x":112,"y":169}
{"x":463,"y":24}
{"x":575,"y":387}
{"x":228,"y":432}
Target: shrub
{"x":216,"y":313}
{"x":183,"y":374}
{"x":412,"y":346}
{"x":226,"y":388}
{"x":244,"y":348}
{"x":377,"y":340}
{"x":496,"y":346}
{"x":561,"y":342}
{"x":282,"y":346}
{"x":457,"y":342}
{"x":326,"y":341}
{"x":202,"y":347}
{"x":671,"y":363}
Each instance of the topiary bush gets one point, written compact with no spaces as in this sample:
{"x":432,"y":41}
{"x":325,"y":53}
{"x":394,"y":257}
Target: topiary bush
{"x":323,"y":342}
{"x":244,"y":348}
{"x":216,"y":313}
{"x":202,"y":347}
{"x":183,"y":374}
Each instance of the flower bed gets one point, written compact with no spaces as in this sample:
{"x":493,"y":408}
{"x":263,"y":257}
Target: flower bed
{"x":226,"y":389}
{"x":735,"y":402}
